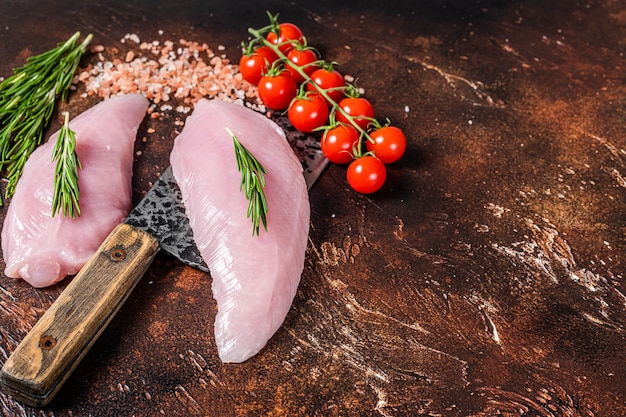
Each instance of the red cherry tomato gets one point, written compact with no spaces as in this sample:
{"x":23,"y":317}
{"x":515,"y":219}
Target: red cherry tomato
{"x":338,"y":143}
{"x":253,"y":66}
{"x":303,"y":58}
{"x":287,"y":32}
{"x":359,"y":108}
{"x":389,"y":144}
{"x":277,"y":91}
{"x":366,"y":174}
{"x":330,"y":80}
{"x":308,"y":113}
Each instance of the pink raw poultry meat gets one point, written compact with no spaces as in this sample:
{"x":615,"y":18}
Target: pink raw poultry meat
{"x":255,"y":278}
{"x":43,"y":249}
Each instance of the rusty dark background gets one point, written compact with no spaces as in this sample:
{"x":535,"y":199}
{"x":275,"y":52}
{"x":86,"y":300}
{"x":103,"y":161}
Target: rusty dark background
{"x":486,"y":279}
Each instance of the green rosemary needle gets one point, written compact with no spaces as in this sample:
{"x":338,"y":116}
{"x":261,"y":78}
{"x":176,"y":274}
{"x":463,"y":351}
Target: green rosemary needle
{"x":27,"y":100}
{"x":252,"y":184}
{"x":66,"y":191}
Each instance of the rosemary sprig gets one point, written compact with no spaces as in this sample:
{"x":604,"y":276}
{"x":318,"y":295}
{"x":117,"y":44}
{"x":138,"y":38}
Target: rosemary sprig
{"x":27,"y":100}
{"x":252,"y":184}
{"x":66,"y":191}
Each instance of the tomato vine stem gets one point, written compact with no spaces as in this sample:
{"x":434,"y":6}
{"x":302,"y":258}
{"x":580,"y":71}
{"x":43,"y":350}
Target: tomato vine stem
{"x":259,"y":36}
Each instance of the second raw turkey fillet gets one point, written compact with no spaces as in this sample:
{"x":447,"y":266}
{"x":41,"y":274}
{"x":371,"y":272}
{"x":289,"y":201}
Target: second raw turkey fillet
{"x":43,"y":249}
{"x":255,"y":278}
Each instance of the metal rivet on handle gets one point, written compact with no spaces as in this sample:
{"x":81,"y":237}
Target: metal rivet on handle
{"x":118,"y":254}
{"x":47,"y":342}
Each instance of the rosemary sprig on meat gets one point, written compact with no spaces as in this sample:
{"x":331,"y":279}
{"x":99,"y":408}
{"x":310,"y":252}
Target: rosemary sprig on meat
{"x":66,"y":191}
{"x":27,"y":100}
{"x":252,"y":184}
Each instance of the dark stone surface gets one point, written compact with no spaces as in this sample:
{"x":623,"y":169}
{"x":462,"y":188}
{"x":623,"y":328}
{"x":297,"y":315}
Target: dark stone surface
{"x":486,"y":279}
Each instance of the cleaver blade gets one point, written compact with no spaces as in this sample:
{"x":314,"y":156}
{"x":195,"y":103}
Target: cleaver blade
{"x":48,"y":354}
{"x":161,"y":213}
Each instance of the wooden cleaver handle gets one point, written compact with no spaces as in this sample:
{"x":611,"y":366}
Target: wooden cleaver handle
{"x":60,"y":339}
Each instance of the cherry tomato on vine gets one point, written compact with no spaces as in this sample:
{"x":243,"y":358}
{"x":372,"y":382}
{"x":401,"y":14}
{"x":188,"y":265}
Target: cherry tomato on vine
{"x":338,"y":143}
{"x":302,"y":57}
{"x":359,"y":108}
{"x":286,"y":33}
{"x":366,"y":174}
{"x":277,"y":91}
{"x":254,"y":64}
{"x":389,"y":144}
{"x":331,"y":80}
{"x":308,"y":113}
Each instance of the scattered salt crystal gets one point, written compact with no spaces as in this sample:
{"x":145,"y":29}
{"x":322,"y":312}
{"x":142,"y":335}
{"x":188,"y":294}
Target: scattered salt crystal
{"x":406,"y":109}
{"x":134,"y":38}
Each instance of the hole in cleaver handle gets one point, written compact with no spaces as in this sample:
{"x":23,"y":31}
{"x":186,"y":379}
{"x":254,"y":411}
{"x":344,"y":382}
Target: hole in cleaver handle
{"x":60,"y":339}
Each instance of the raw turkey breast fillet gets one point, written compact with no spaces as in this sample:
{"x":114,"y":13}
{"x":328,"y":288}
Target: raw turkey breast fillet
{"x":255,"y":278}
{"x":43,"y":249}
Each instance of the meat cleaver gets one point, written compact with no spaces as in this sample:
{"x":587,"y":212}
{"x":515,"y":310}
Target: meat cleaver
{"x":49,"y":353}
